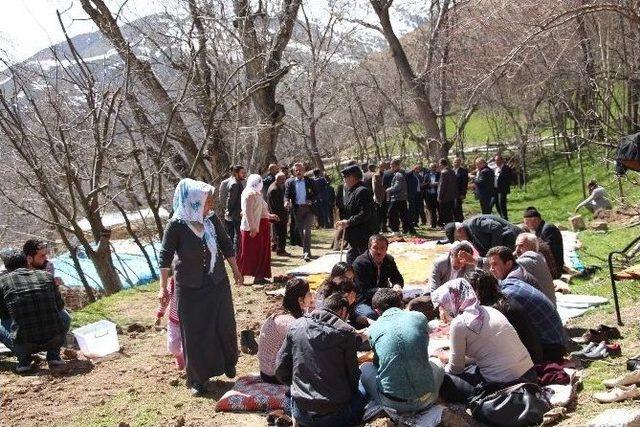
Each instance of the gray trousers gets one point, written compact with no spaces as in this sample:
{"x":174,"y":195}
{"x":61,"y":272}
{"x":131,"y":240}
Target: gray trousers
{"x":304,"y":220}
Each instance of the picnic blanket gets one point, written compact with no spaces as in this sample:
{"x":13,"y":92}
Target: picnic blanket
{"x":251,"y":394}
{"x":414,"y":260}
{"x":574,"y":305}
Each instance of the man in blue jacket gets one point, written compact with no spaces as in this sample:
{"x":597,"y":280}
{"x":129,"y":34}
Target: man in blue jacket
{"x":300,"y":195}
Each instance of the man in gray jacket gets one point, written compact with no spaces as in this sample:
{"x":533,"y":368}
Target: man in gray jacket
{"x":531,"y":260}
{"x":318,"y":360}
{"x":398,"y":196}
{"x":451,"y":265}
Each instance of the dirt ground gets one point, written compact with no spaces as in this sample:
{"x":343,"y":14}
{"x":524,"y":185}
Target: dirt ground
{"x":140,"y":386}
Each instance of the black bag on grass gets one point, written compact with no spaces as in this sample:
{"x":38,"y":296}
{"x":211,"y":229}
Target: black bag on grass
{"x":522,"y":404}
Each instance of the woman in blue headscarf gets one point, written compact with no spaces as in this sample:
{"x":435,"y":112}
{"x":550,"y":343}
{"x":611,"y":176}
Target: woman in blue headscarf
{"x":199,"y":241}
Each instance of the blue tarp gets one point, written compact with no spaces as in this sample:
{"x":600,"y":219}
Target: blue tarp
{"x":130,"y":264}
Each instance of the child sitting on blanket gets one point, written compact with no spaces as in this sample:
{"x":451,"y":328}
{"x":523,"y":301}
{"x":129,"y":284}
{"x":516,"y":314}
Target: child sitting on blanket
{"x":174,"y":336}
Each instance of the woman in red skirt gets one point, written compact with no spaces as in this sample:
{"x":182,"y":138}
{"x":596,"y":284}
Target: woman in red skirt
{"x":255,"y":232}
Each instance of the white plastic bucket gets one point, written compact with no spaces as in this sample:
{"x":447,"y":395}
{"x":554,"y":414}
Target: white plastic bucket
{"x":97,"y":339}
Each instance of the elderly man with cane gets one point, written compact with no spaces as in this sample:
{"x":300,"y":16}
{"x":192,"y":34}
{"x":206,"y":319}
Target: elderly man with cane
{"x":359,"y":221}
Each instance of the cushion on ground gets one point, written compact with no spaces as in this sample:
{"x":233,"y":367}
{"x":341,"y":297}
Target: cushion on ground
{"x":251,"y":394}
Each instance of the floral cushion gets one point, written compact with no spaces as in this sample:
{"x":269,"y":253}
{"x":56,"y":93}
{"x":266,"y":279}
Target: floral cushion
{"x":251,"y":394}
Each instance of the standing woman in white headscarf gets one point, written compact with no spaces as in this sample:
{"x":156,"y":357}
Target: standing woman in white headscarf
{"x":255,"y":235}
{"x":205,"y":308}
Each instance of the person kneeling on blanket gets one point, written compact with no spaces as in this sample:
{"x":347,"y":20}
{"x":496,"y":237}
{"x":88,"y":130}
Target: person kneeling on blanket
{"x":401,"y":377}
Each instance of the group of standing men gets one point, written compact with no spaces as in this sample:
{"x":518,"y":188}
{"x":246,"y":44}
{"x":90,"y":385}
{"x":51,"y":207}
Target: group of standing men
{"x":395,"y":199}
{"x":401,"y":196}
{"x":297,"y":200}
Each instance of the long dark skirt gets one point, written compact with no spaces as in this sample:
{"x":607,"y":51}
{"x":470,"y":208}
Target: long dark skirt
{"x":208,"y":329}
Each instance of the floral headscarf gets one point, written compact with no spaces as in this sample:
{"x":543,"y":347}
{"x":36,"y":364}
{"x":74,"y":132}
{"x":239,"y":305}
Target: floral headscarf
{"x":188,"y":205}
{"x":457,"y":298}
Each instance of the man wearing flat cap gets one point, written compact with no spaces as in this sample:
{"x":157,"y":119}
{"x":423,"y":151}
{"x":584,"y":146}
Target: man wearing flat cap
{"x":360,"y":220}
{"x":548,"y":233}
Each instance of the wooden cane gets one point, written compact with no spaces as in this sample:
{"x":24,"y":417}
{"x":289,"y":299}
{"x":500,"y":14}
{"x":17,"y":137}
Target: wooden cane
{"x":341,"y":244}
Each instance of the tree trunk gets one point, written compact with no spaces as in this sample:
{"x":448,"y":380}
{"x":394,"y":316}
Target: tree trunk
{"x":418,"y":88}
{"x":73,"y":253}
{"x":313,"y":141}
{"x":101,"y":258}
{"x":264,"y":72}
{"x":178,"y":132}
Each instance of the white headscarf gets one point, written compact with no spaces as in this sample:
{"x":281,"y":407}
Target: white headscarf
{"x":254,"y":185}
{"x":188,"y":205}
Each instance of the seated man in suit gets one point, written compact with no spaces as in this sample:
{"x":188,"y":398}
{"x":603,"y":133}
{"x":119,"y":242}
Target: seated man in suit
{"x":375,"y":269}
{"x":450,"y":266}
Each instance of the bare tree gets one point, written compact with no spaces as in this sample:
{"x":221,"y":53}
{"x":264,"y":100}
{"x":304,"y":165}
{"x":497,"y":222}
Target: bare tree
{"x":60,"y":153}
{"x":264,"y":70}
{"x":177,"y":130}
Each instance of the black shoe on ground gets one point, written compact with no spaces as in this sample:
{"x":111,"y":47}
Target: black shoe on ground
{"x":197,"y":389}
{"x":230,"y":371}
{"x":248,"y":343}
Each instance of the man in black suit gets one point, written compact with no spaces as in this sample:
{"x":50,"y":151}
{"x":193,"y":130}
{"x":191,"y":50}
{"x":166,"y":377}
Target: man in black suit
{"x":483,"y":232}
{"x":359,"y":221}
{"x":548,"y":233}
{"x":503,"y":177}
{"x":462,"y":179}
{"x":447,"y":192}
{"x":430,"y":190}
{"x":387,"y":177}
{"x":300,"y":196}
{"x":275,"y":200}
{"x":375,"y":269}
{"x":232,"y":214}
{"x":484,"y":183}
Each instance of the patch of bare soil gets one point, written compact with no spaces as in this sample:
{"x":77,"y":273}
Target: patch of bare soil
{"x":140,"y":385}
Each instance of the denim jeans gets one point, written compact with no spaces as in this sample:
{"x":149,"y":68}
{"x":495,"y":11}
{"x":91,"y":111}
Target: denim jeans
{"x":362,"y":309}
{"x":233,"y":230}
{"x":348,"y":415}
{"x":23,"y":351}
{"x":369,"y":381}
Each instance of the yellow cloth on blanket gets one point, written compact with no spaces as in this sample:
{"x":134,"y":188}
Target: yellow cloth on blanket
{"x":415,"y":261}
{"x":315,"y":280}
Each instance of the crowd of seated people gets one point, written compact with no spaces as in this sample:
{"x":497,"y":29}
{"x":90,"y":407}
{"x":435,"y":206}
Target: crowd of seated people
{"x":497,"y":302}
